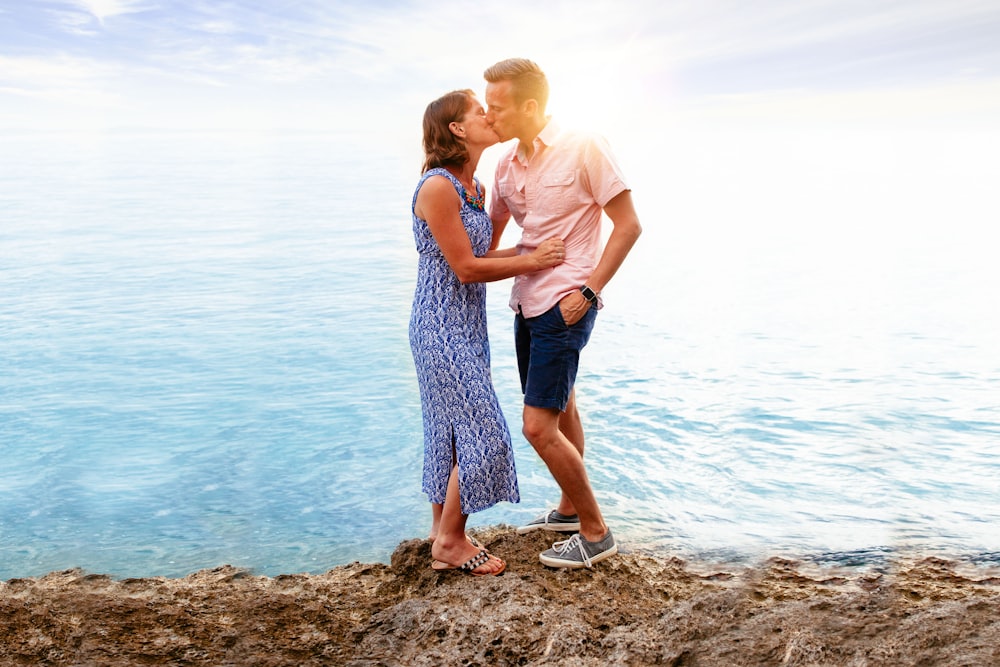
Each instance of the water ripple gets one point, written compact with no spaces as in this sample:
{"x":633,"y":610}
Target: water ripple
{"x":205,"y":361}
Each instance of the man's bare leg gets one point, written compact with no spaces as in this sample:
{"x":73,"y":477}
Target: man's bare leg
{"x":571,"y":427}
{"x":565,"y":463}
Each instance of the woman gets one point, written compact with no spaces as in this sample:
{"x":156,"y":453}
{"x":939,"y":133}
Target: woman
{"x":468,"y":459}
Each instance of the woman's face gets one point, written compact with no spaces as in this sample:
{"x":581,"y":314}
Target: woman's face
{"x":477,"y":130}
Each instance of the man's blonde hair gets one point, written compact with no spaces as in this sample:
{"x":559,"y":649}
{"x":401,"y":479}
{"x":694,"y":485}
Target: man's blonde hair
{"x":527,"y":80}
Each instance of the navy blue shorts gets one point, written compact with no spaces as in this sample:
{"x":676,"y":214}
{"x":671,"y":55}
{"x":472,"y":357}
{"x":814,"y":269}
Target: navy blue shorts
{"x":548,"y":355}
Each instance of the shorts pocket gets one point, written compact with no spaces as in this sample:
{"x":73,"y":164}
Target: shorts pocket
{"x":557,"y":310}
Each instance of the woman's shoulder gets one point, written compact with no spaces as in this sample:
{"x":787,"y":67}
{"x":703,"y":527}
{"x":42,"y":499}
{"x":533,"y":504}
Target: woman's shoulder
{"x":436,"y":187}
{"x":437,"y":171}
{"x":437,"y":180}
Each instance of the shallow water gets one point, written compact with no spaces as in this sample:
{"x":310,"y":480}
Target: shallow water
{"x":205,"y":361}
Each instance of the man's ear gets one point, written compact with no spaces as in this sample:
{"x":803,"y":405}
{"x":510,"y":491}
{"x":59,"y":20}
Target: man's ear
{"x":530,"y":107}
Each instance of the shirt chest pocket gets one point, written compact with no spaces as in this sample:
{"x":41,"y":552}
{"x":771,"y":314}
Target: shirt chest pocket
{"x":506,"y":188}
{"x":514,"y":199}
{"x":557,"y":192}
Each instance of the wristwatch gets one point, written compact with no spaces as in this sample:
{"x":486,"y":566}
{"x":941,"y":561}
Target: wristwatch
{"x":589,"y":294}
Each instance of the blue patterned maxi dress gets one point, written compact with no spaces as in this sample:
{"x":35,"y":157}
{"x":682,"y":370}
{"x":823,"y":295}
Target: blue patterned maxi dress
{"x":451,"y":352}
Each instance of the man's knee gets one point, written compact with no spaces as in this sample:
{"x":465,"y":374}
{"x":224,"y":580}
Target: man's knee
{"x":540,"y":427}
{"x":533,"y":434}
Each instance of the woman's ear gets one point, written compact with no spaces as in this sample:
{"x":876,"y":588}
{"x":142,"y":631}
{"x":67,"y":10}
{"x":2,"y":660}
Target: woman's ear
{"x":456,"y":129}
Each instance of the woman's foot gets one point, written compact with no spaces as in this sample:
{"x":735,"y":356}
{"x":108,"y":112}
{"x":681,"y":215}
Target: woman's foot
{"x":467,"y":556}
{"x":473,"y":541}
{"x":483,"y":564}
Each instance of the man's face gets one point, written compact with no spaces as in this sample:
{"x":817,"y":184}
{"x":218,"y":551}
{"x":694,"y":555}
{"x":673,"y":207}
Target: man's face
{"x":501,"y":110}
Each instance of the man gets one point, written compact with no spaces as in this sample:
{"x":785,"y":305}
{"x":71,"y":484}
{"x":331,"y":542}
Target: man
{"x":557,"y":183}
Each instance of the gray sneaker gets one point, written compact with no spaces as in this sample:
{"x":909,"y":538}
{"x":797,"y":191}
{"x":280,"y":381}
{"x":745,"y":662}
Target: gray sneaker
{"x":576,"y":552}
{"x":553,"y":520}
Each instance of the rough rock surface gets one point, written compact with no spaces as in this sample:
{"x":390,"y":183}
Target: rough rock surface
{"x":630,"y":610}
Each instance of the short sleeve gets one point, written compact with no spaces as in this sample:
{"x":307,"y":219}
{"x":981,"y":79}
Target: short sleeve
{"x":603,"y":173}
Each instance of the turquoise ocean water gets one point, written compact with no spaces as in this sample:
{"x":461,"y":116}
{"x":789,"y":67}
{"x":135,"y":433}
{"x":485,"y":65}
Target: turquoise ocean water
{"x":204,"y":360}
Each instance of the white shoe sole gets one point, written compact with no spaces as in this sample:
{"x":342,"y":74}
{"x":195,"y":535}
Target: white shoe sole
{"x":554,"y":527}
{"x":552,"y":561}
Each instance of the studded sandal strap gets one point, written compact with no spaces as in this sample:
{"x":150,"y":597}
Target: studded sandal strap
{"x":476,"y":561}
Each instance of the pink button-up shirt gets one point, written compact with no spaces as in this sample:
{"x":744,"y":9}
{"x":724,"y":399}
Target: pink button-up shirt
{"x":560,"y":191}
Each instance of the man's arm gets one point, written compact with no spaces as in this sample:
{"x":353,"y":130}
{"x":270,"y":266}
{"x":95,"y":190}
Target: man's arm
{"x":439,"y":204}
{"x":621,"y":211}
{"x":627,"y":229}
{"x":499,"y":225}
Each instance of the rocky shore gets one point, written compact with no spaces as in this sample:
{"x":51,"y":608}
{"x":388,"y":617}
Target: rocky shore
{"x":630,"y":610}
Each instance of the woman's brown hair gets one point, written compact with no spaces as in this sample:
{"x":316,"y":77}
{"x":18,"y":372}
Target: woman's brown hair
{"x":441,"y":147}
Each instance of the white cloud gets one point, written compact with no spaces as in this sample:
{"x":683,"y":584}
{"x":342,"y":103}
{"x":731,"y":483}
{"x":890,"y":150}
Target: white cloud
{"x":102,"y":9}
{"x":62,"y":72}
{"x":715,"y":30}
{"x":966,"y":101}
{"x":218,"y":27}
{"x":56,"y":92}
{"x":73,"y":22}
{"x":608,"y":66}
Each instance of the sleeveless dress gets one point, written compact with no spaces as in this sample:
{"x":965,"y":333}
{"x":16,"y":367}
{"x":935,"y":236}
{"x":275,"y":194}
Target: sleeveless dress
{"x":451,"y":352}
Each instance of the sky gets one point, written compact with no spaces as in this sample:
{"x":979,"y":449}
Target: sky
{"x":338,"y":66}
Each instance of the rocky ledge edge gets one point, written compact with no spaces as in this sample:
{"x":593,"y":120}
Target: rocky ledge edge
{"x":633,"y":609}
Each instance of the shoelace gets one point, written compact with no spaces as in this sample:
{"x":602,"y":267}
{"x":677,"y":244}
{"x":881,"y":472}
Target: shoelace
{"x":575,"y":541}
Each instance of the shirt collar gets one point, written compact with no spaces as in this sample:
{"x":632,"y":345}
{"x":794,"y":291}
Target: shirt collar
{"x":546,"y":137}
{"x":549,"y":133}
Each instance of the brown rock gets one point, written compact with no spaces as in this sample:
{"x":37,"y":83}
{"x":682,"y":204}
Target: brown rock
{"x":630,"y":610}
